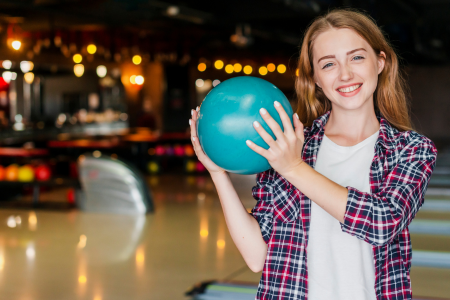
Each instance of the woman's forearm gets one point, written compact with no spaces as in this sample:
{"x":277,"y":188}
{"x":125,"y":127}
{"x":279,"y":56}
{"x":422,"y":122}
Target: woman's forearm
{"x":329,"y":195}
{"x":244,"y":229}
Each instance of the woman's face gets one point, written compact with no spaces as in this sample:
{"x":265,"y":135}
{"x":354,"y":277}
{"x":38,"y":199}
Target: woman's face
{"x":346,"y":68}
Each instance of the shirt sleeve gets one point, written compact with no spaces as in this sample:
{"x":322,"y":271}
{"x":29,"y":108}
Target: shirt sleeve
{"x":379,"y":218}
{"x":263,"y":211}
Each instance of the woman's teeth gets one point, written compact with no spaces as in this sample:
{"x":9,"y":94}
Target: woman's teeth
{"x":349,"y":89}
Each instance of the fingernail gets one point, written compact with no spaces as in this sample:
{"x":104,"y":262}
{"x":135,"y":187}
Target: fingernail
{"x":189,"y":121}
{"x":277,"y":103}
{"x":248,"y":142}
{"x":263,"y":111}
{"x":193,"y":138}
{"x":192,"y":112}
{"x":256,"y":124}
{"x":198,"y":107}
{"x":297,"y":116}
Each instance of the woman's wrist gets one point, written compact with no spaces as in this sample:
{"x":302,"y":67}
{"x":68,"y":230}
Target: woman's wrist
{"x":218,"y":174}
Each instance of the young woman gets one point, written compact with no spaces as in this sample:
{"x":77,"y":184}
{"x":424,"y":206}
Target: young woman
{"x":332,"y":214}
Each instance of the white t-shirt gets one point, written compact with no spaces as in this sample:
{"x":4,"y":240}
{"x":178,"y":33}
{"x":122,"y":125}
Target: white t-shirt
{"x":340,"y":266}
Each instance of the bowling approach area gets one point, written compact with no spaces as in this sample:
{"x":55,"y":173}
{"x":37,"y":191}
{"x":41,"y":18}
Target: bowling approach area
{"x":74,"y":254}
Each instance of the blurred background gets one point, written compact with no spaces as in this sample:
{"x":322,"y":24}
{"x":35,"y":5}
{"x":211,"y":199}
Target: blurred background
{"x":102,"y":196}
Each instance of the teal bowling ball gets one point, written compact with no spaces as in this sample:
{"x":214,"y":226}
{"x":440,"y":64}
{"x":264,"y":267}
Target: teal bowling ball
{"x":225,"y":122}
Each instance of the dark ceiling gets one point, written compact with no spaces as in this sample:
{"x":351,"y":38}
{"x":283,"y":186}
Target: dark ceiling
{"x":418,"y":29}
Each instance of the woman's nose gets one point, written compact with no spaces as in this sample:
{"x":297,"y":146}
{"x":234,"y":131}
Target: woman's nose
{"x":346,"y":73}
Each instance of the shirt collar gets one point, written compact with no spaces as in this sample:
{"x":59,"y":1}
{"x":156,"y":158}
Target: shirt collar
{"x":386,"y":137}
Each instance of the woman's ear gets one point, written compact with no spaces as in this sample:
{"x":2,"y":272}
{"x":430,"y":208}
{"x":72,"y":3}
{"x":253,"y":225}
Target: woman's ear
{"x":316,"y":81}
{"x":381,"y":61}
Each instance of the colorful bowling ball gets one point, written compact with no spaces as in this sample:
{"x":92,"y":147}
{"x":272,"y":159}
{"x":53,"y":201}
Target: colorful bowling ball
{"x":169,"y":150}
{"x":71,"y":196}
{"x":188,"y":150}
{"x":26,"y":173}
{"x":199,"y":167}
{"x":12,"y":172}
{"x":2,"y":173}
{"x":153,"y":167}
{"x":159,"y":150}
{"x":42,"y":173}
{"x":190,"y":166}
{"x":179,"y":150}
{"x":226,"y":119}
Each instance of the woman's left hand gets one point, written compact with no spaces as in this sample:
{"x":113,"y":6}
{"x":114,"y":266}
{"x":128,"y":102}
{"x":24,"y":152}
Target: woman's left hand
{"x":284,"y":154}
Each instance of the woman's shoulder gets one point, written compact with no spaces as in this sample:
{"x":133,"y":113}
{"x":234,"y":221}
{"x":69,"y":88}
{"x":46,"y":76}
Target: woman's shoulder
{"x":413,"y":139}
{"x":411,"y":143}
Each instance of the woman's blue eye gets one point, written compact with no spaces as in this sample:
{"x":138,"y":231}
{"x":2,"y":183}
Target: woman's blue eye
{"x":358,"y":56}
{"x":326,"y":65}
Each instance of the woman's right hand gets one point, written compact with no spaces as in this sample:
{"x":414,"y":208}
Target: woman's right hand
{"x":202,"y":157}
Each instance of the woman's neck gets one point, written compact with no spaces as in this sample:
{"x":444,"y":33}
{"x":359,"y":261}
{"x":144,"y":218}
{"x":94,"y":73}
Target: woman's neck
{"x":350,"y":127}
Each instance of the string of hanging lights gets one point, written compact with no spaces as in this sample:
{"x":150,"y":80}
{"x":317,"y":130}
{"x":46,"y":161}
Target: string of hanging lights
{"x":110,"y":48}
{"x":247,"y":69}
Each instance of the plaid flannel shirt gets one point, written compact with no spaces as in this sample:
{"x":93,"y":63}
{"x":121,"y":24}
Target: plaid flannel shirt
{"x":399,"y":175}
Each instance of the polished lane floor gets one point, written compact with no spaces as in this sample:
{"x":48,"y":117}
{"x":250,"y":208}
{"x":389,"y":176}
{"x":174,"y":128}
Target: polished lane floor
{"x":75,"y":255}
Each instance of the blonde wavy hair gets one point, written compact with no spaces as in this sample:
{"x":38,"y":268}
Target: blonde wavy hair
{"x":390,"y":94}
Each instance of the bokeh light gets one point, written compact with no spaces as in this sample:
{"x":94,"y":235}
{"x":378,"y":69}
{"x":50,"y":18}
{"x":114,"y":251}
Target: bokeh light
{"x":248,"y":70}
{"x":78,"y":69}
{"x":218,"y":64}
{"x":139,"y":80}
{"x":101,"y":71}
{"x":271,"y":67}
{"x":7,"y":64}
{"x":91,"y":49}
{"x":7,"y":76}
{"x":16,"y":45}
{"x":77,"y":58}
{"x":137,"y":59}
{"x":237,"y":67}
{"x":199,"y":82}
{"x":263,"y":71}
{"x":229,"y":69}
{"x":201,"y":67}
{"x":26,"y":66}
{"x":133,"y":79}
{"x":281,"y":68}
{"x":29,"y":77}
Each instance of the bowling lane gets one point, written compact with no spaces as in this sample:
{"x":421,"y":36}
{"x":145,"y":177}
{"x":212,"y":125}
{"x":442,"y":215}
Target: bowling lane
{"x":76,"y":255}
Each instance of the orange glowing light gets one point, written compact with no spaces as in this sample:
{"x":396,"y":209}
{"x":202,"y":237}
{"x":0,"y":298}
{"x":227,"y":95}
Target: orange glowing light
{"x":271,"y":67}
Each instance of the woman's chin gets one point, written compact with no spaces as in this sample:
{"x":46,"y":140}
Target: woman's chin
{"x":350,"y":103}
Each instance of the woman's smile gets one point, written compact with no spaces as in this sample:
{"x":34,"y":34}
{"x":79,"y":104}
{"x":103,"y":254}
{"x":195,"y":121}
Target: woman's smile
{"x":349,"y":91}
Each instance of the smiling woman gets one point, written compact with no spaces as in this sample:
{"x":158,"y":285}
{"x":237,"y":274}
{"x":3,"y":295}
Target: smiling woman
{"x":332,"y":213}
{"x":362,"y":165}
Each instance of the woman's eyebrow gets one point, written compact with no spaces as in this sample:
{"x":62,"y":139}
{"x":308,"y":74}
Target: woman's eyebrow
{"x":348,"y":53}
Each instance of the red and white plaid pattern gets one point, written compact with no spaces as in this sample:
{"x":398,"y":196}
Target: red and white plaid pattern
{"x":401,"y":168}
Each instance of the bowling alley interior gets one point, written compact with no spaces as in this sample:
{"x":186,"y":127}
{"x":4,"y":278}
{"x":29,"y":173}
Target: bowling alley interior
{"x":103,"y":196}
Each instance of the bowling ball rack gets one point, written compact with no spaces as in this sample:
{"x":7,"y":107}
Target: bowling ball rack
{"x":36,"y":187}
